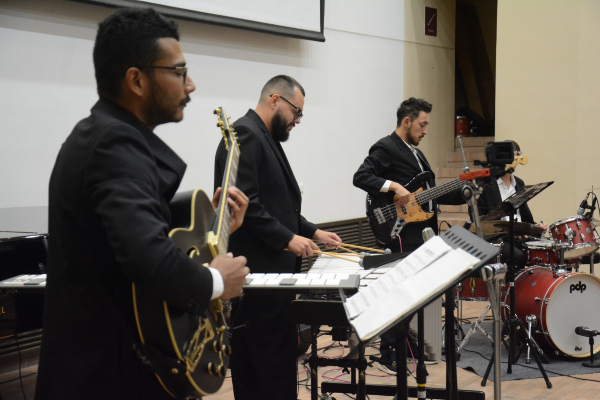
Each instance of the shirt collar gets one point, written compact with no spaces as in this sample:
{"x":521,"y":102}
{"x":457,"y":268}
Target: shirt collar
{"x":512,"y":182}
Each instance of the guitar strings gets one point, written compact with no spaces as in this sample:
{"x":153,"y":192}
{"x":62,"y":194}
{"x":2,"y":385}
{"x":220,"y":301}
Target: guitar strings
{"x":389,"y":211}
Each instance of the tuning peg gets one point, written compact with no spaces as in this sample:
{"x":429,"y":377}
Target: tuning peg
{"x":228,"y":117}
{"x":217,"y":111}
{"x":220,"y":124}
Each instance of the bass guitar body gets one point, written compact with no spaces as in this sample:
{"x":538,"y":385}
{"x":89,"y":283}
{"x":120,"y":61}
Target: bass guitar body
{"x":387,"y":219}
{"x":199,"y":344}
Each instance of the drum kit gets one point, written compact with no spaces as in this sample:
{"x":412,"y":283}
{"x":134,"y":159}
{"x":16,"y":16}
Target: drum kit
{"x":551,"y":297}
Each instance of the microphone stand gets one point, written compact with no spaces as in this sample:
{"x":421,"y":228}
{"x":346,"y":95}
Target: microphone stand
{"x":591,"y":363}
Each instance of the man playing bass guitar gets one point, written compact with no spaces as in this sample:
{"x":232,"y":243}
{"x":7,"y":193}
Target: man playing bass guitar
{"x":395,"y":166}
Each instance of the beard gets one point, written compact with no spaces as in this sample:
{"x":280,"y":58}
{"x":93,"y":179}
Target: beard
{"x":280,"y":126}
{"x":411,"y":140}
{"x":161,"y":109}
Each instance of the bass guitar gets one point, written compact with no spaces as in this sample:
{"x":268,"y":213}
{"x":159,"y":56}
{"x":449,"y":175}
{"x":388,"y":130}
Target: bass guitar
{"x":387,"y":218}
{"x":193,"y":349}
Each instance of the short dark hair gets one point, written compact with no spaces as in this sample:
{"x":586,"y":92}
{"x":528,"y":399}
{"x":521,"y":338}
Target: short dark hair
{"x":282,"y":84}
{"x":126,"y":39}
{"x":411,"y":108}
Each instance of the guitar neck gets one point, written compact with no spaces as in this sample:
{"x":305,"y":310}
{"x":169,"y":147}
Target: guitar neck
{"x":435,"y":192}
{"x":223,"y":220}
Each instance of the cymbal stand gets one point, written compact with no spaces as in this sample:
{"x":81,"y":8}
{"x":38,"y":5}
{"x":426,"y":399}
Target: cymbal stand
{"x":513,"y":322}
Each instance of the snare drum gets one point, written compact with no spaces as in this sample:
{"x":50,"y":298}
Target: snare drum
{"x":560,"y":302}
{"x":543,"y":252}
{"x":473,"y":289}
{"x":576,"y":231}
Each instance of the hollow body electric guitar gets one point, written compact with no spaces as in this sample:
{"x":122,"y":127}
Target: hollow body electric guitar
{"x":387,"y":218}
{"x":194,"y":349}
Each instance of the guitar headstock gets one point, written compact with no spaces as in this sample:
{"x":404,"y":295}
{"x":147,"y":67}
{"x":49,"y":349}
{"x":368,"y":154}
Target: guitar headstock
{"x":226,"y":128}
{"x":519,"y":159}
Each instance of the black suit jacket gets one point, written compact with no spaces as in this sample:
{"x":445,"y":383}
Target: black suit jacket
{"x":265,"y":338}
{"x":273,"y":216}
{"x":108,"y":227}
{"x":490,"y":198}
{"x":391,"y":159}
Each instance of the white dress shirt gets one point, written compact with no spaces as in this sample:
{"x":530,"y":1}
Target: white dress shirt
{"x":218,"y":284}
{"x":506,"y":192}
{"x":386,"y":186}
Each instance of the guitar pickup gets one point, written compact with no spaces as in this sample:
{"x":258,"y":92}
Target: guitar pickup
{"x":379,"y":215}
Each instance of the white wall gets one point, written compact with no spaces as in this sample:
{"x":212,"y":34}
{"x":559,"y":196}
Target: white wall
{"x":354,"y":82}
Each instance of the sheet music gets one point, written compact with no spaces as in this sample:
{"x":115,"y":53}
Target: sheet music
{"x":396,"y":295}
{"x":403,"y":270}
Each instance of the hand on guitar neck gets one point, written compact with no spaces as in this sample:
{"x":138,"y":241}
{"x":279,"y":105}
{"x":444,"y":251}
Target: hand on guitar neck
{"x":237,"y":201}
{"x":234,"y":271}
{"x":401,"y":192}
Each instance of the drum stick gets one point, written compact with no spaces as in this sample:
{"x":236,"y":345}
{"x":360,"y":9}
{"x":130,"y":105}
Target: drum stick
{"x":362,"y":248}
{"x":331,"y":255}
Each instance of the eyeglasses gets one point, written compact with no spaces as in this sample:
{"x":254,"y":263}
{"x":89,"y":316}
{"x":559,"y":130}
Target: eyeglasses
{"x":180,"y":70}
{"x":298,"y":114}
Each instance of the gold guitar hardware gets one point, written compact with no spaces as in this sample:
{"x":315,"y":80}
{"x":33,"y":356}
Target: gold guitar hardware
{"x":198,"y":340}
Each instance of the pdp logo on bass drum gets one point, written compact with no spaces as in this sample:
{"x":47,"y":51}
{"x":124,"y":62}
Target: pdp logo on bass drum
{"x":580,"y":287}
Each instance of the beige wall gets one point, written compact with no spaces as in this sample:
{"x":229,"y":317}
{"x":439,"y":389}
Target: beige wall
{"x":429,"y":72}
{"x":548,"y":97}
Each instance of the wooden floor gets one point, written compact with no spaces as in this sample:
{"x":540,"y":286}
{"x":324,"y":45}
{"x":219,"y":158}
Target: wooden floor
{"x":563,"y":387}
{"x":586,"y":387}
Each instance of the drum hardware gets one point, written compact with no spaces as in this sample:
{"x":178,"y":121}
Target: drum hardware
{"x":479,"y":293}
{"x":569,"y":307}
{"x":513,"y":322}
{"x":531,"y":321}
{"x":584,"y":331}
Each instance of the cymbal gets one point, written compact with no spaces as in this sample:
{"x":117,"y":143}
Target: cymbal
{"x":521,"y":228}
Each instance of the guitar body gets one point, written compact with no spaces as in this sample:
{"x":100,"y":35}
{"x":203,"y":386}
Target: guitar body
{"x":199,"y":343}
{"x":387,"y":219}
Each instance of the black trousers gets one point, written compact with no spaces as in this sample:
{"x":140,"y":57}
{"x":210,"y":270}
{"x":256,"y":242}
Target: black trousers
{"x":264,"y":346}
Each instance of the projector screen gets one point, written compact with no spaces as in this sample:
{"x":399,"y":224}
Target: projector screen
{"x":292,"y":18}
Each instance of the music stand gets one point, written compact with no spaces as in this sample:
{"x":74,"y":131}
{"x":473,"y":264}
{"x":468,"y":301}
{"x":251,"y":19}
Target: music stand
{"x":456,"y":237}
{"x":508,"y":208}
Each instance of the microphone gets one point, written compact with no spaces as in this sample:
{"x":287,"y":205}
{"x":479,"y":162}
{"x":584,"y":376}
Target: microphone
{"x":583,"y":206}
{"x":427,"y":234}
{"x":585,"y":331}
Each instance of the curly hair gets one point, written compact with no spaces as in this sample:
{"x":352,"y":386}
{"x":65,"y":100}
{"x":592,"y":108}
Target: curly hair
{"x":411,"y":108}
{"x":126,"y":39}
